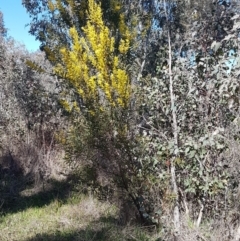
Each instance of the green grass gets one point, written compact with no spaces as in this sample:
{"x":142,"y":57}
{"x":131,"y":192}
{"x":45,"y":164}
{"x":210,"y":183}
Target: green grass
{"x":61,"y":212}
{"x":58,"y":220}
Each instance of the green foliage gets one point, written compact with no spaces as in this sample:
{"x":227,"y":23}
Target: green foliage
{"x":51,"y":21}
{"x":170,"y":129}
{"x":204,"y":94}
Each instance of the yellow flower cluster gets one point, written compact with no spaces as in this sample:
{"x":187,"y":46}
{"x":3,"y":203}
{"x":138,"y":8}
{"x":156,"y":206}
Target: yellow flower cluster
{"x":65,"y":105}
{"x":69,"y":108}
{"x":115,"y":5}
{"x":91,"y":65}
{"x":60,"y":137}
{"x":51,"y":6}
{"x":125,"y":42}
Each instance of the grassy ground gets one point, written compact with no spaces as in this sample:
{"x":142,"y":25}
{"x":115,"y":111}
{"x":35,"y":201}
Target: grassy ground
{"x":58,"y":211}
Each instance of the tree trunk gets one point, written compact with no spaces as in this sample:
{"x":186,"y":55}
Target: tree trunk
{"x":176,"y":213}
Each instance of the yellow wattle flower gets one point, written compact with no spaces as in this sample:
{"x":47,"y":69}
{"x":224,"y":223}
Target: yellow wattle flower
{"x":91,"y":65}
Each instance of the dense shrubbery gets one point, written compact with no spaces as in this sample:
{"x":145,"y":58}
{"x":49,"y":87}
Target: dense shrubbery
{"x":156,"y":122}
{"x":29,"y":112}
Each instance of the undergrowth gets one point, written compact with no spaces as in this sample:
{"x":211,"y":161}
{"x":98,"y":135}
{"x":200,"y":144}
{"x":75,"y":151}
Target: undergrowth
{"x":59,"y":211}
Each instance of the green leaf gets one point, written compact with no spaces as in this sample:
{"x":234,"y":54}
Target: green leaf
{"x":220,"y":185}
{"x":192,"y":153}
{"x":155,"y":162}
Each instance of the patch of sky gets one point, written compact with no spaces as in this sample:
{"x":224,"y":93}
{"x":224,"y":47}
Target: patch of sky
{"x":226,"y":3}
{"x":164,"y":12}
{"x":232,"y":60}
{"x":162,"y":7}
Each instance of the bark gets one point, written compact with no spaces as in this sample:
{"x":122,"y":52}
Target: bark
{"x":176,"y":212}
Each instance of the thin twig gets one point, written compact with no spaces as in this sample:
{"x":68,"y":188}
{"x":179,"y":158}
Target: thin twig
{"x":200,"y":214}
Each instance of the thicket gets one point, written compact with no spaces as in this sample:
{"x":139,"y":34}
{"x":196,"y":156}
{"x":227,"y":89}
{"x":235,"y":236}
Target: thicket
{"x":144,"y":98}
{"x":29,"y":116}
